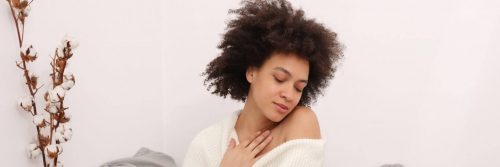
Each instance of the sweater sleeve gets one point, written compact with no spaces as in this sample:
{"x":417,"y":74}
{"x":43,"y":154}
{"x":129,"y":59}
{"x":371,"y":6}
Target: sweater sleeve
{"x":295,"y":153}
{"x":205,"y":149}
{"x":195,"y":156}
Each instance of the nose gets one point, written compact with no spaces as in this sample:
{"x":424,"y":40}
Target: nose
{"x":287,"y":93}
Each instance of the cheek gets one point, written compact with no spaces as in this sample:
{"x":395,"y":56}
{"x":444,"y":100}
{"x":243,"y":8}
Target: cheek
{"x":296,"y":101}
{"x":269,"y":91}
{"x":264,"y":90}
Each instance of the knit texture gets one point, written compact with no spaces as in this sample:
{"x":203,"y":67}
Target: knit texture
{"x":209,"y":146}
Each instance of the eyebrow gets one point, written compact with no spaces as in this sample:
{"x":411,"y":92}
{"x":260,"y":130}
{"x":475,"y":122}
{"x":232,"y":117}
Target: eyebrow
{"x":288,"y":73}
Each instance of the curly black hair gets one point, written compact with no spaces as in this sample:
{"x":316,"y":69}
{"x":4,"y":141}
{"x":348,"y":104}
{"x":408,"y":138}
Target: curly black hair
{"x":263,"y":27}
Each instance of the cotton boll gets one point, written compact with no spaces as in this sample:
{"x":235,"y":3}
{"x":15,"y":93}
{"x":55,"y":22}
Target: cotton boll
{"x":52,"y":150}
{"x":32,"y":51}
{"x":67,"y":127}
{"x":60,"y":91}
{"x":59,"y":149}
{"x":69,"y":76}
{"x":64,"y":128}
{"x":68,"y":135}
{"x":67,"y":116}
{"x":63,"y":133}
{"x":24,"y":48}
{"x":46,"y":117}
{"x":26,"y":103}
{"x":64,"y":136}
{"x":28,"y":53}
{"x":45,"y":131}
{"x":68,"y":81}
{"x":53,"y":96}
{"x":59,"y":134}
{"x":67,"y":85}
{"x":60,"y":129}
{"x":69,"y":41}
{"x":39,"y":120}
{"x":74,"y":44}
{"x":57,"y":92}
{"x":33,"y":151}
{"x":31,"y":147}
{"x":59,"y":137}
{"x":52,"y":108}
{"x":62,"y":140}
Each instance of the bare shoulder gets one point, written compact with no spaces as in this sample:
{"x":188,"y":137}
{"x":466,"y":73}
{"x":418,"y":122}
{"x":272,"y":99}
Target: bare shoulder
{"x":301,"y":123}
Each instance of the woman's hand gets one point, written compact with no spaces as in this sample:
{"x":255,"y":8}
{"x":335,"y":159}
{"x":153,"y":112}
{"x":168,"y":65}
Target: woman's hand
{"x":245,"y":153}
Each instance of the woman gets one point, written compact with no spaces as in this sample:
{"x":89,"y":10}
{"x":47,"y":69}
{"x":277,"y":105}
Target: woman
{"x":277,"y":62}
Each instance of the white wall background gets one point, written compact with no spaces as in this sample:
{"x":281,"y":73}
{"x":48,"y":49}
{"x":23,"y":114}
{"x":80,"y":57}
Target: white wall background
{"x":418,"y":85}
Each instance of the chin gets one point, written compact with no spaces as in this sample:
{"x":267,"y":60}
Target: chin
{"x":275,"y":117}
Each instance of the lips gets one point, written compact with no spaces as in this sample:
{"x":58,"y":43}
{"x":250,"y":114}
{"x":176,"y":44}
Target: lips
{"x":282,"y":108}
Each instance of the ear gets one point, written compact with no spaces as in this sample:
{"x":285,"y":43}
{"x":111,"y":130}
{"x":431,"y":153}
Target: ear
{"x":250,"y":74}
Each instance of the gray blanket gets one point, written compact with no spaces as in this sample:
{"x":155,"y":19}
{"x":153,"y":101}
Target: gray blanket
{"x":143,"y":158}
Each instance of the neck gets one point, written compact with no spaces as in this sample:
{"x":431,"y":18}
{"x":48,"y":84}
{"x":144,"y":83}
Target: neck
{"x":251,"y":120}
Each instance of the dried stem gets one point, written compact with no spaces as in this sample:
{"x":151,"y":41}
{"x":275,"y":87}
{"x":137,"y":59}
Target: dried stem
{"x":22,"y":37}
{"x":52,"y":64}
{"x":26,"y":75}
{"x":36,"y":90}
{"x":17,"y":23}
{"x":60,"y":75}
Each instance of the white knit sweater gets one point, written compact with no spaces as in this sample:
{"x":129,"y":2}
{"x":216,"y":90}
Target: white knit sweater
{"x":209,"y":146}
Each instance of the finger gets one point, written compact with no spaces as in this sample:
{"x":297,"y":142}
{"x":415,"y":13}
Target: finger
{"x":258,"y":140}
{"x":261,"y":147}
{"x":232,"y":144}
{"x":245,"y":143}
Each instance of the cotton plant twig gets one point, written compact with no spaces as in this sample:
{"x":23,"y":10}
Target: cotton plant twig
{"x":15,"y":19}
{"x":61,"y":84}
{"x":16,"y":4}
{"x":54,"y":119}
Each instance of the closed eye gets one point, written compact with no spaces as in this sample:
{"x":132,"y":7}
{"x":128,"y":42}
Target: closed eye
{"x":300,"y":86}
{"x":277,"y":80}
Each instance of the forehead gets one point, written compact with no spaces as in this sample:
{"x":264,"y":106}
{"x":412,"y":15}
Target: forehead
{"x":297,"y":66}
